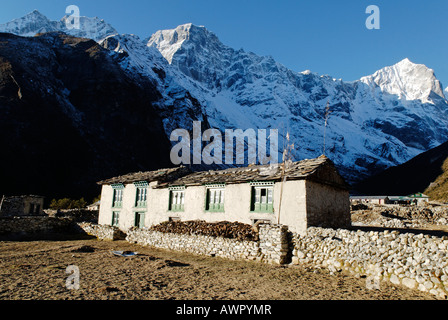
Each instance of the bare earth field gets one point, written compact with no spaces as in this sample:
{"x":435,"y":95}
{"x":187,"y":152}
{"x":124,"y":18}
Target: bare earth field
{"x":36,"y":270}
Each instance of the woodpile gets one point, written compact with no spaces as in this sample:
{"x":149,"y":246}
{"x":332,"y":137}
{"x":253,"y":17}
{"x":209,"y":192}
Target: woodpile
{"x":224,"y":229}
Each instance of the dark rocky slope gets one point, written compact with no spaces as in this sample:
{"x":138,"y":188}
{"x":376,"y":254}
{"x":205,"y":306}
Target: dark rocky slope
{"x":70,"y":116}
{"x":425,"y":173}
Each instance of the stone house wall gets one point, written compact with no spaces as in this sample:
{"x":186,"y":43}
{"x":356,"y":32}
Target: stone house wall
{"x":327,"y":206}
{"x":22,"y":206}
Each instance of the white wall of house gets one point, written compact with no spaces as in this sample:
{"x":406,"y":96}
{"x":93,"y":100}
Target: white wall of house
{"x":105,"y":214}
{"x":293,"y":205}
{"x":298,"y":200}
{"x":237,"y":205}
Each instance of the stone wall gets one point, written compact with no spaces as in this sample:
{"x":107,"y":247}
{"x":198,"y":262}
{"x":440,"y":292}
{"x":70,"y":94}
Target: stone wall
{"x":102,"y":232}
{"x":11,"y":226}
{"x":416,"y":261}
{"x":274,"y":243}
{"x":272,"y":246}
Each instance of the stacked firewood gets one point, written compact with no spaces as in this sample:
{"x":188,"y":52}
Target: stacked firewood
{"x":224,"y":229}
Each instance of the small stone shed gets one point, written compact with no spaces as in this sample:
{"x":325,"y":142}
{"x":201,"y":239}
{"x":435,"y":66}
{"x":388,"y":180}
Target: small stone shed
{"x":297,"y":194}
{"x":26,"y":205}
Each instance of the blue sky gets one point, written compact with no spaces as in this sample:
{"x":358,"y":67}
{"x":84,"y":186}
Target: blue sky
{"x":324,"y":36}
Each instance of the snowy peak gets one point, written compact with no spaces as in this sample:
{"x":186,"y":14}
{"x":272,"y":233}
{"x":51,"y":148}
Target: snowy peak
{"x":168,"y":42}
{"x":408,"y":80}
{"x":35,"y":22}
{"x":29,"y":25}
{"x":91,"y":28}
{"x":35,"y":15}
{"x":198,"y":54}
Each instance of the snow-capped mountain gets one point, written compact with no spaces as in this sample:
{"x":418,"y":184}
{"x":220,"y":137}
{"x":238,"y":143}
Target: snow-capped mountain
{"x":35,"y":22}
{"x":379,"y":121}
{"x":408,"y":81}
{"x":30,"y":25}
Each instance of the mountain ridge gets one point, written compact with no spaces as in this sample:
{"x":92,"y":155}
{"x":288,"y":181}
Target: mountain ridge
{"x":377,"y":122}
{"x":35,"y":22}
{"x":222,"y":70}
{"x":427,"y":173}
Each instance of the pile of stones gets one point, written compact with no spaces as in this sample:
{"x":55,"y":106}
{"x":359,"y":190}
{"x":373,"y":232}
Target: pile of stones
{"x":399,"y":216}
{"x":102,"y":232}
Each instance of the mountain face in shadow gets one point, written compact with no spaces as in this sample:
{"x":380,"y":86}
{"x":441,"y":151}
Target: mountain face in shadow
{"x":70,"y":116}
{"x":425,"y":173}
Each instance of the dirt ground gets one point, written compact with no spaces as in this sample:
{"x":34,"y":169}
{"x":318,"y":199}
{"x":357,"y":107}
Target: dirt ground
{"x":36,"y":270}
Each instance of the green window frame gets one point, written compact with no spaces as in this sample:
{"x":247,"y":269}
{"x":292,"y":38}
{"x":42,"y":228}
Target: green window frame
{"x":177,"y":199}
{"x":115,"y":218}
{"x":117,"y":201}
{"x":262,"y":197}
{"x":214,"y":200}
{"x":141,"y":194}
{"x":139,"y":220}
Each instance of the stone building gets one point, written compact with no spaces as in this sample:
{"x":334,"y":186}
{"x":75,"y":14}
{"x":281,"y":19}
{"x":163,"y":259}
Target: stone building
{"x":299,"y":195}
{"x":21,"y":206}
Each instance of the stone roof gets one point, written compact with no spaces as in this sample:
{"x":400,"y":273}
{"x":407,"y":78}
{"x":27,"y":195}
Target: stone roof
{"x":320,"y":170}
{"x":160,"y":175}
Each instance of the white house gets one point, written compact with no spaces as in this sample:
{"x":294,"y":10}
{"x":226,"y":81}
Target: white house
{"x":303,"y":194}
{"x":370,"y":199}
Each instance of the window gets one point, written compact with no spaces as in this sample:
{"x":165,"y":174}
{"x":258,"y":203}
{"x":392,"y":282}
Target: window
{"x":142,"y":193}
{"x":118,"y":195}
{"x":177,"y":199}
{"x":215,"y":200}
{"x":115,"y":219}
{"x":139,"y":220}
{"x":261,"y":221}
{"x":262,"y":198}
{"x":118,"y":198}
{"x":31,"y":208}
